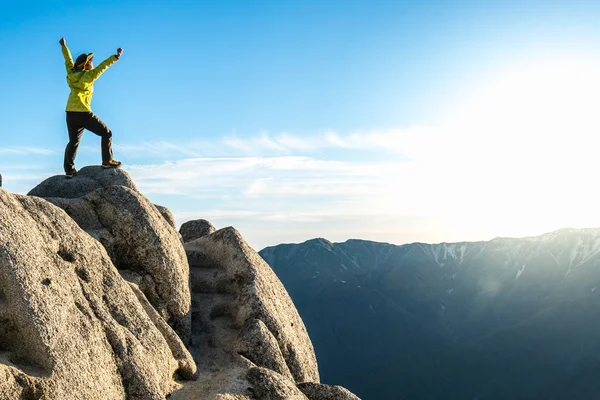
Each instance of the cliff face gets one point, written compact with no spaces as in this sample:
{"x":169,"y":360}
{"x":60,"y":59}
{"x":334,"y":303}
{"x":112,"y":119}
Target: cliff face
{"x":96,"y":301}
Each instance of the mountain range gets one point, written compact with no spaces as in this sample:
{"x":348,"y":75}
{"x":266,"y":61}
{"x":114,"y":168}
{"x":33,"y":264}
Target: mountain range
{"x":507,"y":318}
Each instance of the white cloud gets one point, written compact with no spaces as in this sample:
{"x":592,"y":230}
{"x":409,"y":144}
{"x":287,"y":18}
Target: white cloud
{"x":403,"y":141}
{"x":161,"y":148}
{"x":258,"y":177}
{"x":25,"y":151}
{"x":400,"y":141}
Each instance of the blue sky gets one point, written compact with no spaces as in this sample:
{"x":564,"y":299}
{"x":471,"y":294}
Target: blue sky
{"x":395,"y":121}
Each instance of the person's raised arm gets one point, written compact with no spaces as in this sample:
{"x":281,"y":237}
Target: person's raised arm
{"x":103,"y":66}
{"x":66,"y":54}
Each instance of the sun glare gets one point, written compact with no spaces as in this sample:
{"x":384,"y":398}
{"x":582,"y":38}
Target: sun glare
{"x":530,"y":136}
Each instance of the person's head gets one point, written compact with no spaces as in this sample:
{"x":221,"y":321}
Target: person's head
{"x":84,"y":61}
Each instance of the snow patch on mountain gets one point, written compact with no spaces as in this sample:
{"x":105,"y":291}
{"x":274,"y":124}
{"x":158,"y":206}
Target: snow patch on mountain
{"x":520,"y":271}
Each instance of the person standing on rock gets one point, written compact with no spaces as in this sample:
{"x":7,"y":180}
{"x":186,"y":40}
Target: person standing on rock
{"x":81,"y":75}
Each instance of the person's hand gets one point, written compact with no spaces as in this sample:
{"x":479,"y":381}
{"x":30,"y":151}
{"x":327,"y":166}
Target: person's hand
{"x":119,"y":52}
{"x":62,"y":41}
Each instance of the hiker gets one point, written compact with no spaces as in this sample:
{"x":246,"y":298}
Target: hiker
{"x":81,"y":76}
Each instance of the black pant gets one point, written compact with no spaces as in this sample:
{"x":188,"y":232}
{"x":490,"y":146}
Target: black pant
{"x":76,"y":123}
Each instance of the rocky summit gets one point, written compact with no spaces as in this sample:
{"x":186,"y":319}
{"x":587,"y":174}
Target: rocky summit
{"x":102,"y":298}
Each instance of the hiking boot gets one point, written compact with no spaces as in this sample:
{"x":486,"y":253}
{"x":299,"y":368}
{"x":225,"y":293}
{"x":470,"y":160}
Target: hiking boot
{"x":111,"y":164}
{"x":71,"y":173}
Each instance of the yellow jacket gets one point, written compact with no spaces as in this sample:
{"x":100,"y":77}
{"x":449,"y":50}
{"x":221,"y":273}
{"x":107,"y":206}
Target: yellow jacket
{"x":82,"y":82}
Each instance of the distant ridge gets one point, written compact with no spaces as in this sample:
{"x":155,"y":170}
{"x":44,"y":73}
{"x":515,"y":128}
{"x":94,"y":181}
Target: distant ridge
{"x":469,"y":318}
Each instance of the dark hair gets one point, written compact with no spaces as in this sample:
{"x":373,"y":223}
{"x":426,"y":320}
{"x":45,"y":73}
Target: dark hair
{"x":82,"y":59}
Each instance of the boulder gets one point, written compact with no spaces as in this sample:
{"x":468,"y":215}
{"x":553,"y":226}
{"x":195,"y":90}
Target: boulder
{"x":187,"y":366}
{"x":257,"y":294}
{"x":87,"y":180}
{"x":138,"y":239}
{"x":70,"y":326}
{"x":167,"y":215}
{"x":269,"y":385}
{"x":196,"y":229}
{"x":318,"y":391}
{"x":257,"y":344}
